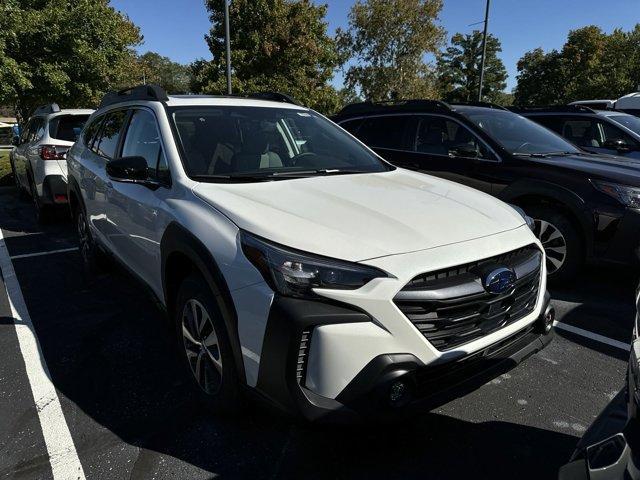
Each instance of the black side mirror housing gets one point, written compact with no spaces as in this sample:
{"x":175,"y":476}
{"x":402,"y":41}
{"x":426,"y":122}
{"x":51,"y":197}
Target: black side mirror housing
{"x":616,"y":144}
{"x":465,"y":150}
{"x":129,"y":169}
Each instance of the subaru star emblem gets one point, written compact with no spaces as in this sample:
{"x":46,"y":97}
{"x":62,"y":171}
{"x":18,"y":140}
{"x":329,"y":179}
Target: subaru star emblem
{"x":500,"y":280}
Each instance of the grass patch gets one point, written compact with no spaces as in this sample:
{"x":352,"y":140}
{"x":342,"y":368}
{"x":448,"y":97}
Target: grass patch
{"x":6,"y":177}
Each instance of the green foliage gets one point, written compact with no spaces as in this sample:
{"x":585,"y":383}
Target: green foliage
{"x":66,"y":51}
{"x":591,"y":64}
{"x":277,"y":45}
{"x":388,"y":40}
{"x":6,"y":177}
{"x":172,"y":76}
{"x":459,"y":69}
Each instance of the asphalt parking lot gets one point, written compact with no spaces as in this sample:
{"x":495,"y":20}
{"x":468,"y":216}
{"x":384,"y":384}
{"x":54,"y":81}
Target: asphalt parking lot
{"x":111,"y":362}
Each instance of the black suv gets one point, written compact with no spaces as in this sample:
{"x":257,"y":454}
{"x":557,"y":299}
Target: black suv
{"x":586,"y":207}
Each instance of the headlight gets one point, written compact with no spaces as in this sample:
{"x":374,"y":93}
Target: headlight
{"x":296,"y":274}
{"x":628,"y":196}
{"x":528,"y":220}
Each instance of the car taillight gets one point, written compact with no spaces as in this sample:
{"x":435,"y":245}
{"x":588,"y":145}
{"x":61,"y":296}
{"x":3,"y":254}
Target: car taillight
{"x":52,"y":152}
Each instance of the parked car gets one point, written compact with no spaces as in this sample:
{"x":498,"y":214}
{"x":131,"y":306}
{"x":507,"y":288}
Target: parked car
{"x":585,"y":206}
{"x":599,"y":131}
{"x":38,"y":159}
{"x":295,"y":262}
{"x":609,"y":449}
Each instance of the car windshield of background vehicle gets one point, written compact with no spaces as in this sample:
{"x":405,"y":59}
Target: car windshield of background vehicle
{"x":518,"y":135}
{"x":67,"y":127}
{"x":629,"y":121}
{"x":257,"y":143}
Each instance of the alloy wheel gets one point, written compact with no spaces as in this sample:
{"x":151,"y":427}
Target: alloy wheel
{"x":554,"y":243}
{"x":202,"y":346}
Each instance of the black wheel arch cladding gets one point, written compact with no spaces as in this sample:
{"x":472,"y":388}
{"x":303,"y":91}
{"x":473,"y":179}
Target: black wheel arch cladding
{"x":177,"y":240}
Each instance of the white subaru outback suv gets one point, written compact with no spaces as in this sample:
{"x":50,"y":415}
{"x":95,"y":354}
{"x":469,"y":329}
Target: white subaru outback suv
{"x":295,"y":263}
{"x":38,"y":159}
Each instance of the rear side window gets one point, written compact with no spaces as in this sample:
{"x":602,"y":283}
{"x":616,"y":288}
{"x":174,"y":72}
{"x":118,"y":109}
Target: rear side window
{"x":384,"y":132}
{"x":109,"y":136}
{"x":67,"y":127}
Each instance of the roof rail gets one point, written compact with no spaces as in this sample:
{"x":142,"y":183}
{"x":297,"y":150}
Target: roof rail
{"x":149,"y":92}
{"x":553,"y":108}
{"x":274,"y":97}
{"x":46,"y":109}
{"x":394,"y":106}
{"x":480,"y":104}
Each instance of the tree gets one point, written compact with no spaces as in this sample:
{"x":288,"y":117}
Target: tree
{"x":541,"y":79}
{"x":386,"y":43}
{"x":590,"y":65}
{"x":459,"y":69}
{"x":172,"y":76}
{"x":62,"y":51}
{"x":277,"y":45}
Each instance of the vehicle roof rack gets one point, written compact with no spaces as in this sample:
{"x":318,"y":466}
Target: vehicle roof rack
{"x":46,"y":109}
{"x":554,"y":108}
{"x":394,"y":106}
{"x":150,"y":92}
{"x":495,"y":106}
{"x":274,"y":97}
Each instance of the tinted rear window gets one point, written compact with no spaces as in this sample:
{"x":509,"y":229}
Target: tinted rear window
{"x":67,"y":127}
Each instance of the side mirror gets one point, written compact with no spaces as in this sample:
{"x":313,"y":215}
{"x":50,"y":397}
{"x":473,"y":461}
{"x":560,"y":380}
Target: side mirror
{"x":616,"y":144}
{"x":464,"y":150}
{"x":129,"y":170}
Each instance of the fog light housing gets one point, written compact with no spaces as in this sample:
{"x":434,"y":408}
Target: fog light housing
{"x":399,"y":393}
{"x":545,"y":322}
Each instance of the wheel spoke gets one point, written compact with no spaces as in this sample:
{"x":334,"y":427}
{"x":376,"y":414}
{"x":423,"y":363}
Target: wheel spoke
{"x":216,"y":361}
{"x":211,"y":340}
{"x":187,"y":334}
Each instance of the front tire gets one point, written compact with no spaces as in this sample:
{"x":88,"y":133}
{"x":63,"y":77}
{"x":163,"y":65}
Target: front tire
{"x":562,"y":242}
{"x":204,"y":347}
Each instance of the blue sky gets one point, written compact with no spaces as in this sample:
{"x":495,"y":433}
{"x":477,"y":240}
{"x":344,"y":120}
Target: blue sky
{"x":176,"y":29}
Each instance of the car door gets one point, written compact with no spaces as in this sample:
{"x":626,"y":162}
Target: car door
{"x":95,"y":183}
{"x":444,"y":147}
{"x":18,"y":154}
{"x":133,"y":208}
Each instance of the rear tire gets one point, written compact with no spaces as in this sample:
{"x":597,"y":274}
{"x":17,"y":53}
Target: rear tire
{"x":204,"y":348}
{"x":92,"y":258}
{"x":563,"y":244}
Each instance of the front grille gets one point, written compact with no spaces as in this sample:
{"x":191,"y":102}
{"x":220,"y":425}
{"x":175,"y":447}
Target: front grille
{"x":450,"y":307}
{"x":303,"y":351}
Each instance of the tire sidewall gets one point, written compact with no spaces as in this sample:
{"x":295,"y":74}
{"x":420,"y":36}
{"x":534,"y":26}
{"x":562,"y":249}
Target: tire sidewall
{"x":226,"y":398}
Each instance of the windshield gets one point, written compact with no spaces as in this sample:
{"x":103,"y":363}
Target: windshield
{"x":67,"y":127}
{"x":517,"y":134}
{"x":629,"y":121}
{"x":253,"y":143}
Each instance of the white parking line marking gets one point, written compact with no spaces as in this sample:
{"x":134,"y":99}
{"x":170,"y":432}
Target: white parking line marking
{"x":39,"y":254}
{"x":592,"y":336}
{"x":63,"y":457}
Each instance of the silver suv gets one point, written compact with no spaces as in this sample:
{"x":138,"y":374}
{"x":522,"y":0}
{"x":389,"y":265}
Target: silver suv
{"x":38,"y":160}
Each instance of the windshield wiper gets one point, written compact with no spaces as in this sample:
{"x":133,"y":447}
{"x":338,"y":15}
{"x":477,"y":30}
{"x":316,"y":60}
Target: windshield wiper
{"x":269,"y":176}
{"x":534,"y":155}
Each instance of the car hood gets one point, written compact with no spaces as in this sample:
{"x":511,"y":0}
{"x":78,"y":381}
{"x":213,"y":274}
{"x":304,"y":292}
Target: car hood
{"x":361,"y":216}
{"x":623,"y":170}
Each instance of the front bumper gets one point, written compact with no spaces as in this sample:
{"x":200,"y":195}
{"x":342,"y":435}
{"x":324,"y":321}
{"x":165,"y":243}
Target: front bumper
{"x":284,"y":378}
{"x":617,"y":239}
